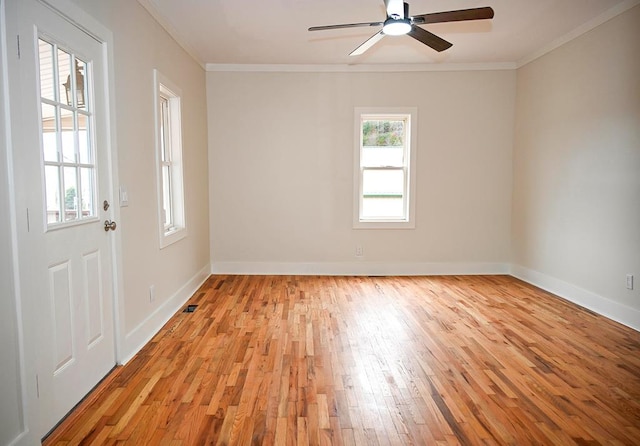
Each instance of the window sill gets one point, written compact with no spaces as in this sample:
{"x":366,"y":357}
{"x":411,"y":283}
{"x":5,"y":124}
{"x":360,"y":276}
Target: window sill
{"x":172,"y":236}
{"x":382,"y":224}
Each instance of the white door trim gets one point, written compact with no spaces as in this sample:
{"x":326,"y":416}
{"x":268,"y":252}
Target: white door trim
{"x":6,"y":53}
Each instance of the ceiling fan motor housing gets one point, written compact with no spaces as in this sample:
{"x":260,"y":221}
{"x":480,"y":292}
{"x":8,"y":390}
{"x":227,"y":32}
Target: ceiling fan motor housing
{"x":397,"y":25}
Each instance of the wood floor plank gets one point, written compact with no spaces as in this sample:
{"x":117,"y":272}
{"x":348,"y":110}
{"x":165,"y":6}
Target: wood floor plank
{"x":453,"y":360}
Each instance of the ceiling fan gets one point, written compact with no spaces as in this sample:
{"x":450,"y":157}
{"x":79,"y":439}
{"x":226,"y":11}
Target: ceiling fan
{"x":399,"y":23}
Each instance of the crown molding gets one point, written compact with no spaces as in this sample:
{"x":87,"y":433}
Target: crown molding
{"x":365,"y":68}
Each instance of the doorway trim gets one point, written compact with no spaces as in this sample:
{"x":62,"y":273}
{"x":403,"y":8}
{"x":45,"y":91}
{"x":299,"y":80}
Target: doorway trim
{"x":6,"y":146}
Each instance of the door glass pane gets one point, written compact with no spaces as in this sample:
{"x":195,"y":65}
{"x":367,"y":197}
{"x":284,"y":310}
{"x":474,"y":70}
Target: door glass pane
{"x":49,"y":135}
{"x":52,"y":176}
{"x":64,"y":77}
{"x":69,"y":160}
{"x":47,"y":89}
{"x":67,"y":134}
{"x":86,"y":182}
{"x":84,"y":147}
{"x":81,"y":85}
{"x":70,"y":194}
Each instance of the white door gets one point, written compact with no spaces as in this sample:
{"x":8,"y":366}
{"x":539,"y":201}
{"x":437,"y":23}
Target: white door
{"x":62,"y":183}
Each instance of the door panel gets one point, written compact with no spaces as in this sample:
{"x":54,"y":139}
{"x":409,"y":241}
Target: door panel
{"x":92,"y":270}
{"x":62,"y":323}
{"x":62,"y":160}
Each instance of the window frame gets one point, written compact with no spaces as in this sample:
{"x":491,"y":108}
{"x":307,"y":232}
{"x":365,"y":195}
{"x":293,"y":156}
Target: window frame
{"x":411,"y":142}
{"x":74,"y":111}
{"x":168,"y":138}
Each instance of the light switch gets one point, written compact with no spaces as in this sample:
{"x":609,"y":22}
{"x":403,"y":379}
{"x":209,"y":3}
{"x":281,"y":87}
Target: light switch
{"x":124,"y":197}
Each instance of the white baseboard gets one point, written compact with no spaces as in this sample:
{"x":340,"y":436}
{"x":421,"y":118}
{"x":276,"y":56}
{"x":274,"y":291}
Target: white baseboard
{"x":613,"y":310}
{"x":358,"y":268}
{"x":23,"y":439}
{"x":147,"y":329}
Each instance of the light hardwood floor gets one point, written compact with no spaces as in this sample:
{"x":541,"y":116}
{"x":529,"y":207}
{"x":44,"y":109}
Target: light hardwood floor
{"x":364,"y":360}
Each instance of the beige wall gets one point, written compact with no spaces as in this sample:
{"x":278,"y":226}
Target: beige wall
{"x":140,"y":45}
{"x":576,"y":202}
{"x":281,"y":154}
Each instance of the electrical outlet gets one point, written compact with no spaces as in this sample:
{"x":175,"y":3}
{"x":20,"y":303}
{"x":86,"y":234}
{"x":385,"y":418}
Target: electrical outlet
{"x":152,"y":293}
{"x":629,"y":281}
{"x":359,"y":251}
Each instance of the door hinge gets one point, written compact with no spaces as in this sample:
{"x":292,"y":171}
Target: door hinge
{"x":37,"y":386}
{"x":28,"y":222}
{"x":18,"y":42}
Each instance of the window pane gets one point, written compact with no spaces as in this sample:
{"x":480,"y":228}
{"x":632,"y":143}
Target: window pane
{"x":82,"y":95}
{"x":166,"y":195}
{"x":70,"y":194}
{"x":382,"y":156}
{"x":383,"y":193}
{"x":46,"y":70}
{"x":67,"y":134}
{"x":64,"y":77}
{"x":383,"y":183}
{"x":49,"y":140}
{"x":383,"y":133}
{"x":164,"y":129}
{"x":84,"y":146}
{"x":373,"y":208}
{"x":87,"y":187}
{"x":52,"y":182}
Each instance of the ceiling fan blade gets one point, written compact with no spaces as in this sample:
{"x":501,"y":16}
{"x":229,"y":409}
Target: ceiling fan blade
{"x":367,"y":44}
{"x":345,"y":25}
{"x":454,"y":16}
{"x":429,"y":39}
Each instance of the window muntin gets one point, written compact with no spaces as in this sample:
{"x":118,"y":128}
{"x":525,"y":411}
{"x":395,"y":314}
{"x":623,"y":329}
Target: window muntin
{"x":169,"y":158}
{"x":384,"y":184}
{"x":67,"y":137}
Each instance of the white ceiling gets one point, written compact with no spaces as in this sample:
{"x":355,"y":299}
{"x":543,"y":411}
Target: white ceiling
{"x":275,"y":31}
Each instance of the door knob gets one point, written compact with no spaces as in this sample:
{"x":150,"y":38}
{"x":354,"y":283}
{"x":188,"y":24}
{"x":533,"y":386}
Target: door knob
{"x":109,"y":225}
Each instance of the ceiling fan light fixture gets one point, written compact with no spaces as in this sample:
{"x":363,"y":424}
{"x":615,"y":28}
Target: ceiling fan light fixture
{"x":399,"y":22}
{"x":396,"y":27}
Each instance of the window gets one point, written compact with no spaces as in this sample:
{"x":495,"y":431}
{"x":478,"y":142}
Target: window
{"x":169,"y":160}
{"x":384,"y":180}
{"x":68,"y":149}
